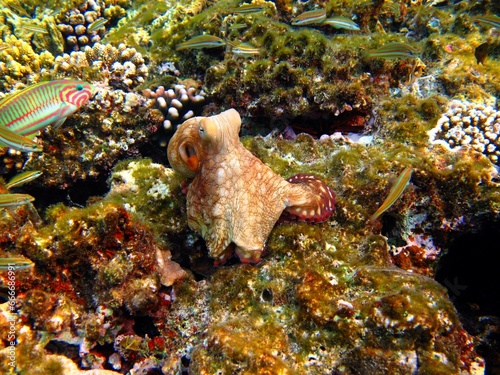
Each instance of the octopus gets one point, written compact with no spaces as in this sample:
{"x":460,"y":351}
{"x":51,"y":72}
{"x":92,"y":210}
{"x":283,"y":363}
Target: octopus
{"x":234,"y":200}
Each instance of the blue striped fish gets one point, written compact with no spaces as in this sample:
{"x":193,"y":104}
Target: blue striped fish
{"x":46,"y":103}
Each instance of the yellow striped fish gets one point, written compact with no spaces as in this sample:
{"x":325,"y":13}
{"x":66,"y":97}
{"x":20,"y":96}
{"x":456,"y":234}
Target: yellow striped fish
{"x":396,"y":191}
{"x":312,"y":17}
{"x":13,"y":200}
{"x":16,"y":141}
{"x":22,"y":178}
{"x":46,"y":103}
{"x":97,"y":24}
{"x":340,"y":22}
{"x":16,"y":263}
{"x":201,"y":41}
{"x":248,"y":8}
{"x":394,"y":50}
{"x":244,"y":49}
{"x":488,"y":20}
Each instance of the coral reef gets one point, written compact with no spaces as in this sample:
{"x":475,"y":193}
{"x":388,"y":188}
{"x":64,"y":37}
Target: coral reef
{"x":467,"y":124}
{"x":19,"y":63}
{"x":121,"y":67}
{"x":121,"y":284}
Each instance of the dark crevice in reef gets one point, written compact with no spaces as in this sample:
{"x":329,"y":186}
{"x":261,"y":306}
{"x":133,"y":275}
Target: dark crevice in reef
{"x":145,"y":326}
{"x":75,"y":195}
{"x":470,"y":272}
{"x":156,"y":149}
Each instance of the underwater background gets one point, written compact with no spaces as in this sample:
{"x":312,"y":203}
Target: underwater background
{"x":106,"y":275}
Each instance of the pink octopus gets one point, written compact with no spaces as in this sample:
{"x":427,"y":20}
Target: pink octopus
{"x":235,"y":200}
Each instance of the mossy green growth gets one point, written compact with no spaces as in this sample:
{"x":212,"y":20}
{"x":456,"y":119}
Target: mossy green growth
{"x":30,"y":359}
{"x":152,"y":193}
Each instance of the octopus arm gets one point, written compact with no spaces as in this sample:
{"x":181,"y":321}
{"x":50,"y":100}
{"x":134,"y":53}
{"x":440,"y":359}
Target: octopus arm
{"x":310,"y":199}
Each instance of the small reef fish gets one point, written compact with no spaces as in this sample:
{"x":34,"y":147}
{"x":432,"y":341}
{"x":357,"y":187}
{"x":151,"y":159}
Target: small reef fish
{"x":248,"y":8}
{"x":394,"y":50}
{"x":17,"y":263}
{"x":32,"y":27}
{"x":22,"y":178}
{"x":340,"y":22}
{"x":201,"y":41}
{"x":16,"y":141}
{"x":15,"y":8}
{"x":312,"y":17}
{"x":481,"y":52}
{"x":395,"y":192}
{"x":237,"y":26}
{"x":488,"y":20}
{"x":13,"y":200}
{"x":97,"y":24}
{"x":244,"y":49}
{"x":43,"y":104}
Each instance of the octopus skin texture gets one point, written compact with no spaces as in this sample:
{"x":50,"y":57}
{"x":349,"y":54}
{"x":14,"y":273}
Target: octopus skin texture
{"x":234,"y":200}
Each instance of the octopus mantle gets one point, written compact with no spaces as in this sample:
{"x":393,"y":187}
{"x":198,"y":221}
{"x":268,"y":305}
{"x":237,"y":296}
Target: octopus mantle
{"x":234,"y":199}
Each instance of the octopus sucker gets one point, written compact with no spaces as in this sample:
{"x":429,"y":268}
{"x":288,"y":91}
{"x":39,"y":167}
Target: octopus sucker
{"x":234,"y":200}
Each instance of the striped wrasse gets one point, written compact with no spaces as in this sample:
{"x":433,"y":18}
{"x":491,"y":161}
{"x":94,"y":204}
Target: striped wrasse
{"x":488,"y":20}
{"x":201,"y":41}
{"x":22,"y":178}
{"x":394,"y":50}
{"x":46,"y":103}
{"x":244,"y":49}
{"x":97,"y":24}
{"x":16,"y":141}
{"x":13,"y":200}
{"x":32,"y":26}
{"x":312,"y":17}
{"x":16,"y":263}
{"x":395,"y":192}
{"x":247,"y":8}
{"x":340,"y":22}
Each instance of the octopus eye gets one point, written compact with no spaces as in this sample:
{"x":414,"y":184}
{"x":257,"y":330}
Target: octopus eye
{"x":189,"y":156}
